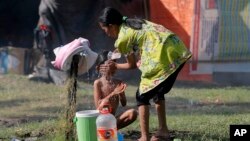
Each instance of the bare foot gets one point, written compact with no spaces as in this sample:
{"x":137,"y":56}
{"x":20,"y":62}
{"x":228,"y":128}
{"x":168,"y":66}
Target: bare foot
{"x":160,"y":138}
{"x":162,"y":133}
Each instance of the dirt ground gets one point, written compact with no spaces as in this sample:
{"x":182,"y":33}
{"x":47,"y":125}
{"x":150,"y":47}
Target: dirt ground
{"x":129,"y":136}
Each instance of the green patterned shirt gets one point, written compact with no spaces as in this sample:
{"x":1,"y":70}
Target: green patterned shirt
{"x":160,"y":50}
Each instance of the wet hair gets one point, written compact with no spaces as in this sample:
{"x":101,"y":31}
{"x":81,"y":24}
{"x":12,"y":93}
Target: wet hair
{"x":110,"y":15}
{"x":102,"y":57}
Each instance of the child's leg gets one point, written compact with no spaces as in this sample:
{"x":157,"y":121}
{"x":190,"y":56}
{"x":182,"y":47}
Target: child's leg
{"x":126,"y":118}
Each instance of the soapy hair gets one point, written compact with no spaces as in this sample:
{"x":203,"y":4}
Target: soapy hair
{"x":102,"y":57}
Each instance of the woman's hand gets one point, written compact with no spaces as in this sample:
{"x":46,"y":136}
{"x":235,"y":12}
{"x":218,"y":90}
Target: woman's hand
{"x":109,"y":67}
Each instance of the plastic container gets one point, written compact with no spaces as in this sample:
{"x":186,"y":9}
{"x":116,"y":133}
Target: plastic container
{"x":113,"y":55}
{"x":86,"y":125}
{"x":106,"y":126}
{"x":120,"y":136}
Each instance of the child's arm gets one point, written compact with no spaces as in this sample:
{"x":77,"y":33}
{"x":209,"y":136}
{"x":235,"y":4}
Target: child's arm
{"x":97,"y":93}
{"x":120,"y":89}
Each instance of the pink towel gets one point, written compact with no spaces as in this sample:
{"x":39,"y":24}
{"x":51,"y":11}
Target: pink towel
{"x":64,"y":54}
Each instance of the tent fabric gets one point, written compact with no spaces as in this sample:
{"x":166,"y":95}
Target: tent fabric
{"x":66,"y":21}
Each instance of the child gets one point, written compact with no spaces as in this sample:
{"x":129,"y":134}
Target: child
{"x":110,"y":91}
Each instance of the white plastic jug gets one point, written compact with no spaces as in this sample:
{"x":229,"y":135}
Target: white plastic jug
{"x":114,"y":55}
{"x":106,"y":126}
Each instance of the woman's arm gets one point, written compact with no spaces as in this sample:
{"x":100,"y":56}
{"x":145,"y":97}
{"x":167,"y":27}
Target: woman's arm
{"x":131,"y":62}
{"x":112,"y":66}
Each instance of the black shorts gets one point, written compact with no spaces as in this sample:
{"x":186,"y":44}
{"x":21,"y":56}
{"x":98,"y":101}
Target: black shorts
{"x":159,"y":91}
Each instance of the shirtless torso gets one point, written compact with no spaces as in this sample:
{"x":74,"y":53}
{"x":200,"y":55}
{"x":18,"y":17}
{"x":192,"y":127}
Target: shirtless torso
{"x":109,"y":92}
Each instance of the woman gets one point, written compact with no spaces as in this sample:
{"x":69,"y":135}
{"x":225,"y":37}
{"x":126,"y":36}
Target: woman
{"x":157,"y":52}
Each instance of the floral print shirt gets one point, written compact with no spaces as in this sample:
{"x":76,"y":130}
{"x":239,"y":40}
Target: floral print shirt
{"x":160,"y":51}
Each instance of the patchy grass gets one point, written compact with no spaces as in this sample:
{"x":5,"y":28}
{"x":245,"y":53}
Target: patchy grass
{"x":195,"y":112}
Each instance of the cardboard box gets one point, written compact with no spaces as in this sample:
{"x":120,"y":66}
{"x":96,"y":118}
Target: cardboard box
{"x":13,"y":60}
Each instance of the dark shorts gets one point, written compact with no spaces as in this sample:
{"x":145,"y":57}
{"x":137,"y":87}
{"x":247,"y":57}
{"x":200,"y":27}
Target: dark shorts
{"x":159,"y":91}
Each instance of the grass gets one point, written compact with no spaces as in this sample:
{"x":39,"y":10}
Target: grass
{"x":195,"y":112}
